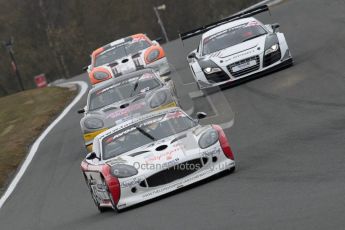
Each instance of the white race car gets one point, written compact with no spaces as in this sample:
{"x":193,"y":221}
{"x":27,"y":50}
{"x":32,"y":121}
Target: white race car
{"x":127,"y":55}
{"x":152,"y":155}
{"x":235,"y":48}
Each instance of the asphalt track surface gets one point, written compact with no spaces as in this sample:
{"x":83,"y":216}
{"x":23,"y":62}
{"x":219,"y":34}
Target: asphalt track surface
{"x":288,"y":137}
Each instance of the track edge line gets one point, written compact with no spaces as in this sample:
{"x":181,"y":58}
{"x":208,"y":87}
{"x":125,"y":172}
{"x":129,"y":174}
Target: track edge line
{"x":10,"y":188}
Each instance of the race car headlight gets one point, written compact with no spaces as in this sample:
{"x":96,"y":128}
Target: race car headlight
{"x":100,"y":75}
{"x":123,"y":170}
{"x":210,"y":70}
{"x":152,"y":56}
{"x":208,"y":138}
{"x":93,"y":123}
{"x":158,"y":99}
{"x":272,"y":49}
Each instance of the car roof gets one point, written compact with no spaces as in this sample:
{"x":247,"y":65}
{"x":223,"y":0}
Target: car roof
{"x":228,"y":26}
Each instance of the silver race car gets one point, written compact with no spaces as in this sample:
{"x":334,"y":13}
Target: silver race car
{"x":116,"y":100}
{"x":235,"y":48}
{"x":152,"y":155}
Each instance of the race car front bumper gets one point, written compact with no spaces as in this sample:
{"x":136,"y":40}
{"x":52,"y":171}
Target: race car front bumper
{"x":265,"y":66}
{"x":146,"y":187}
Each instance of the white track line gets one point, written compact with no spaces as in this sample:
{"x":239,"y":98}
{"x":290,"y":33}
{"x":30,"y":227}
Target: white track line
{"x":33,"y":150}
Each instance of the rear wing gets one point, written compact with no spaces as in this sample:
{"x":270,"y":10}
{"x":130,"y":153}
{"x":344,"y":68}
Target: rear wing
{"x":242,"y":14}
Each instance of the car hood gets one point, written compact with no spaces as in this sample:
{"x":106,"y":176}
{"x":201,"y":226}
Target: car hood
{"x":239,"y":52}
{"x":127,"y":64}
{"x":166,"y":152}
{"x":123,"y":110}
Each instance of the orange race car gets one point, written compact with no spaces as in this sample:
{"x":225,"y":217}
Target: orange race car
{"x":127,"y":55}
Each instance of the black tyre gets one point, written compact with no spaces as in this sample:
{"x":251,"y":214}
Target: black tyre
{"x":231,"y":170}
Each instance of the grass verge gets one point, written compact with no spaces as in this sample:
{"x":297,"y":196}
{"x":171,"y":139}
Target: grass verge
{"x":23,"y":116}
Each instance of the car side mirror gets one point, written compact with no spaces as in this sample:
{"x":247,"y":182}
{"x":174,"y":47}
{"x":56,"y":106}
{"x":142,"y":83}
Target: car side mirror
{"x":92,"y":156}
{"x":159,"y":39}
{"x":81,"y":111}
{"x":275,"y":26}
{"x":201,"y":115}
{"x":166,"y":79}
{"x":191,"y":55}
{"x":85,"y":68}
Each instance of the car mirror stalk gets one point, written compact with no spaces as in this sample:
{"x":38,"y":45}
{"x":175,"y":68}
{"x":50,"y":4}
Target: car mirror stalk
{"x":92,"y":156}
{"x":81,"y":111}
{"x":201,"y":115}
{"x":275,"y":27}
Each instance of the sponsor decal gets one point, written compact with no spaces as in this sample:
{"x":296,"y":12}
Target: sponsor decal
{"x":117,"y":42}
{"x":210,"y":153}
{"x":118,"y":160}
{"x":131,"y":183}
{"x":112,"y":86}
{"x":129,"y":117}
{"x":207,"y":39}
{"x":158,"y":119}
{"x":126,"y":111}
{"x":94,"y":167}
{"x":241,"y":55}
{"x":253,"y":23}
{"x":122,"y":205}
{"x":138,"y":39}
{"x":176,"y":114}
{"x":114,"y":45}
{"x":110,"y":139}
{"x":168,"y":155}
{"x":146,"y":76}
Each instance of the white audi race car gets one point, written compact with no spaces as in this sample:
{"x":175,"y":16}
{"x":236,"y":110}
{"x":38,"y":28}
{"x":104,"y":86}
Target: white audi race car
{"x":127,"y":55}
{"x":152,"y":155}
{"x":116,"y":100}
{"x":235,"y":48}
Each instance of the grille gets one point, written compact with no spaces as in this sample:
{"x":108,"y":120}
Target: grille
{"x":271,"y":58}
{"x":173,"y":173}
{"x":246,"y":70}
{"x":115,"y":71}
{"x":217,"y":77}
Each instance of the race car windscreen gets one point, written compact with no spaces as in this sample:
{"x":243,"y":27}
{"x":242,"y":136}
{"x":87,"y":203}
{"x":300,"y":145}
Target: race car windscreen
{"x":143,"y":133}
{"x":123,"y":90}
{"x":231,"y":37}
{"x":120,"y":51}
{"x":135,"y":47}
